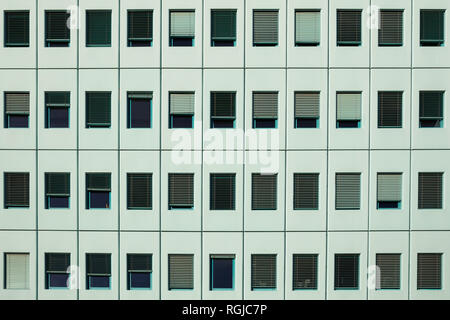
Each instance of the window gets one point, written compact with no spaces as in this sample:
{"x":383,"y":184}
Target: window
{"x":265,"y":110}
{"x":98,"y":28}
{"x":389,"y":190}
{"x":98,"y":109}
{"x":98,"y":190}
{"x":388,"y":273}
{"x":348,"y":27}
{"x":181,"y":191}
{"x":182,"y":28}
{"x":265,"y":28}
{"x":264,"y":191}
{"x":348,"y":191}
{"x":390,"y":32}
{"x":57,"y":190}
{"x":17,"y":271}
{"x":431,"y":109}
{"x":223,"y":28}
{"x":304,"y":272}
{"x":140,"y":28}
{"x":17,"y":109}
{"x":139,"y":110}
{"x":181,"y":105}
{"x":348,"y":113}
{"x":431,"y":28}
{"x":306,"y":109}
{"x":17,"y":189}
{"x":139,"y":271}
{"x":139,"y":191}
{"x":17,"y":29}
{"x":221,"y":272}
{"x":306,"y":191}
{"x":181,"y":271}
{"x":57,"y":104}
{"x":57,"y":270}
{"x":222,"y":191}
{"x":429,"y":271}
{"x":430,"y":190}
{"x":346,"y":271}
{"x":307,"y":27}
{"x":390,"y":109}
{"x":57,"y":34}
{"x":264,"y":272}
{"x":223,"y":109}
{"x":98,"y":271}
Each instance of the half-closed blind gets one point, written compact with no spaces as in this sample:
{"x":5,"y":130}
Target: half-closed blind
{"x":222,"y":191}
{"x":223,"y":105}
{"x":264,"y":191}
{"x":265,"y":105}
{"x":56,"y":26}
{"x":390,"y":109}
{"x":348,"y":191}
{"x":391,"y":28}
{"x":430,"y":190}
{"x":223,"y":24}
{"x":181,"y":271}
{"x":264,"y":271}
{"x":346,"y":271}
{"x":17,"y":103}
{"x":307,"y":105}
{"x":348,"y":27}
{"x":431,"y":105}
{"x":17,"y":28}
{"x":57,"y":184}
{"x":307,"y":27}
{"x":181,"y":103}
{"x":98,"y":27}
{"x":17,"y":270}
{"x":98,"y":264}
{"x":181,"y":189}
{"x":139,"y":190}
{"x":17,"y":189}
{"x":429,"y":270}
{"x":140,"y":25}
{"x":388,"y":270}
{"x":139,"y":262}
{"x":265,"y":27}
{"x":98,"y":109}
{"x":182,"y":24}
{"x":348,"y":106}
{"x":98,"y":181}
{"x":304,"y":271}
{"x":55,"y":99}
{"x":306,"y":191}
{"x":389,"y":187}
{"x":57,"y":262}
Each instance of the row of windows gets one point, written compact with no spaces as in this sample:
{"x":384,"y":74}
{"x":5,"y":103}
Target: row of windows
{"x":222,"y":187}
{"x":223,"y":28}
{"x":222,"y":271}
{"x":223,"y":109}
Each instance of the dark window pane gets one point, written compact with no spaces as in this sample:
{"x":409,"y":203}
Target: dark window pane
{"x":223,"y":43}
{"x":346,"y":268}
{"x":388,"y":204}
{"x":58,"y":202}
{"x":222,"y":123}
{"x":222,"y":273}
{"x":58,"y":280}
{"x":17,"y":121}
{"x":57,"y":44}
{"x":182,"y":121}
{"x":140,"y":43}
{"x":430,"y":123}
{"x":348,"y":124}
{"x":58,"y":118}
{"x":265,"y":123}
{"x":98,"y":281}
{"x":305,"y":123}
{"x":139,"y":113}
{"x":98,"y":199}
{"x":181,"y":42}
{"x":139,"y":280}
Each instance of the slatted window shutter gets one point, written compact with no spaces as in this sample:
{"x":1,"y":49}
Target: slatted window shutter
{"x":57,"y":262}
{"x":432,"y":27}
{"x":98,"y":109}
{"x":306,"y":191}
{"x":390,"y":105}
{"x":222,"y":191}
{"x":17,"y":270}
{"x":182,"y":103}
{"x":264,"y":191}
{"x":17,"y":28}
{"x":389,"y":187}
{"x":429,"y":271}
{"x":57,"y":184}
{"x":139,"y":262}
{"x":388,"y":272}
{"x":223,"y":105}
{"x":349,"y":27}
{"x":182,"y":24}
{"x":17,"y":189}
{"x":431,"y":105}
{"x":430,"y":190}
{"x":140,"y":25}
{"x":307,"y":27}
{"x":223,"y":25}
{"x":98,"y":182}
{"x":307,"y":105}
{"x":265,"y":27}
{"x":139,"y":191}
{"x":391,"y":28}
{"x":17,"y":103}
{"x":348,"y":106}
{"x":348,"y":191}
{"x":57,"y":99}
{"x":265,"y":105}
{"x":56,"y":29}
{"x":181,"y":189}
{"x":346,"y":271}
{"x":98,"y":28}
{"x":181,"y":271}
{"x":304,"y":271}
{"x":98,"y":264}
{"x":264,"y":271}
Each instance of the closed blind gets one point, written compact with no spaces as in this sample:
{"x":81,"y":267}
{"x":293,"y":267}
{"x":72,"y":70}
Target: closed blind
{"x":348,"y":191}
{"x":17,"y":103}
{"x":57,"y":262}
{"x":307,"y":104}
{"x":222,"y":191}
{"x":17,"y":270}
{"x":304,"y":271}
{"x":429,"y":270}
{"x":98,"y":27}
{"x":346,"y":271}
{"x":432,"y":26}
{"x":139,"y":190}
{"x":388,"y":270}
{"x":223,"y":105}
{"x":181,"y":271}
{"x":264,"y":191}
{"x":306,"y":191}
{"x":389,"y":187}
{"x":265,"y":105}
{"x":98,"y":181}
{"x":430,"y":190}
{"x":265,"y":27}
{"x":307,"y":27}
{"x":140,"y":25}
{"x":57,"y":184}
{"x":17,"y":189}
{"x":264,"y":271}
{"x":348,"y":106}
{"x":349,"y":27}
{"x":98,"y":264}
{"x":17,"y":28}
{"x":98,"y":109}
{"x":56,"y":99}
{"x":391,"y":28}
{"x":182,"y":103}
{"x":431,"y":105}
{"x":182,"y":24}
{"x":223,"y":24}
{"x":390,"y":109}
{"x":139,"y":262}
{"x":56,"y":26}
{"x":181,"y":189}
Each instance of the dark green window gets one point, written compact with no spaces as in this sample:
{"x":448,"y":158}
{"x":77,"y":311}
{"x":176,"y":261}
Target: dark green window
{"x":430,"y":190}
{"x":432,"y":27}
{"x":57,"y":190}
{"x":223,"y":109}
{"x":57,"y":105}
{"x":139,"y":267}
{"x":57,"y":34}
{"x":139,"y":191}
{"x":98,"y":271}
{"x":431,"y":109}
{"x":222,"y":191}
{"x":98,"y":190}
{"x":140,"y":28}
{"x":346,"y":271}
{"x":98,"y":28}
{"x":56,"y":270}
{"x":16,"y":189}
{"x":390,"y":109}
{"x":348,"y":27}
{"x":17,"y":28}
{"x":98,"y":109}
{"x":223,"y":28}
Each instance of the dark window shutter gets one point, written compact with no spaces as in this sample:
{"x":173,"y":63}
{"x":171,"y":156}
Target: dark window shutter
{"x":98,"y":28}
{"x":389,"y":270}
{"x":223,"y":105}
{"x":348,"y":27}
{"x":57,"y":99}
{"x":17,"y":103}
{"x":265,"y":105}
{"x":391,"y":28}
{"x":348,"y":191}
{"x":390,"y":109}
{"x":264,"y":271}
{"x":223,"y":24}
{"x":264,"y":191}
{"x":181,"y":189}
{"x":98,"y":264}
{"x":181,"y":271}
{"x":56,"y":26}
{"x":306,"y":191}
{"x":57,"y":184}
{"x":346,"y":271}
{"x":140,"y":25}
{"x":17,"y":189}
{"x":431,"y":105}
{"x":57,"y":262}
{"x":222,"y":191}
{"x":304,"y":271}
{"x":17,"y":28}
{"x":139,"y":262}
{"x":98,"y":109}
{"x":139,"y":191}
{"x":429,"y":271}
{"x":98,"y":182}
{"x":265,"y":27}
{"x":430,"y":190}
{"x":431,"y":27}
